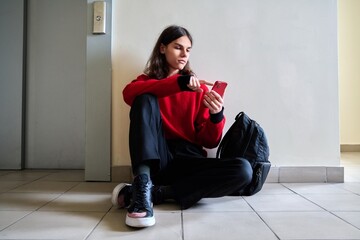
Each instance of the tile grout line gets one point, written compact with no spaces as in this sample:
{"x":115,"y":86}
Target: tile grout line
{"x":328,"y":211}
{"x":30,"y":212}
{"x":332,"y":213}
{"x":262,"y":219}
{"x":15,"y":187}
{"x":101,"y":219}
{"x":60,"y":194}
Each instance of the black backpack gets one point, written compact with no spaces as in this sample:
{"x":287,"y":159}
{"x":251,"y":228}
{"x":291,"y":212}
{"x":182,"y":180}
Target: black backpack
{"x":246,"y":139}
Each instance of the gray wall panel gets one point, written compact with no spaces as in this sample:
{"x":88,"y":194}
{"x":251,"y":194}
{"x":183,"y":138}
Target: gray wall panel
{"x":55,"y":136}
{"x":11,"y":83}
{"x":98,"y":100}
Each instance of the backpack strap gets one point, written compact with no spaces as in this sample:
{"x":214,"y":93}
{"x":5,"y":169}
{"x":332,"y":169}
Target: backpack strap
{"x":245,"y":142}
{"x":221,"y":146}
{"x":247,"y":139}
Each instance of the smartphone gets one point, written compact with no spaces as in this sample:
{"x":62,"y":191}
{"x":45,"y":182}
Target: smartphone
{"x":219,"y":87}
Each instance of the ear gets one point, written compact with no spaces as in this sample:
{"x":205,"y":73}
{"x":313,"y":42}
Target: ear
{"x":162,"y":48}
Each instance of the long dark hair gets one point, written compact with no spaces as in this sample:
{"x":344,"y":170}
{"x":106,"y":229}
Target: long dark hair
{"x":157,"y":66}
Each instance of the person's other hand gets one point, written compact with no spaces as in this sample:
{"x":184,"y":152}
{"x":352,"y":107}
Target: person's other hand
{"x":213,"y":101}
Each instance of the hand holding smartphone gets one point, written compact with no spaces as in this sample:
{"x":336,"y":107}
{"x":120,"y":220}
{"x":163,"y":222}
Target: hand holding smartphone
{"x":219,"y":87}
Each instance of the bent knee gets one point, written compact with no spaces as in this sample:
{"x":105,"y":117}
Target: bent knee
{"x":245,"y":171}
{"x":144,"y":103}
{"x":144,"y":98}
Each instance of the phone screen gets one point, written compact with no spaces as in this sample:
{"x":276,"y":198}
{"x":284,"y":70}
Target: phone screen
{"x":219,"y":87}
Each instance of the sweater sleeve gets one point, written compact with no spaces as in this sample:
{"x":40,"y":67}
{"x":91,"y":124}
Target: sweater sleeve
{"x":209,"y":134}
{"x":160,"y":88}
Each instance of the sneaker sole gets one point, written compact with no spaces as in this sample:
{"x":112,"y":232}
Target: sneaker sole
{"x":140,"y":222}
{"x":115,"y":194}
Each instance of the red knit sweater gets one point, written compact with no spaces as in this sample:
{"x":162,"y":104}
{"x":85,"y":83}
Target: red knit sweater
{"x":183,"y":113}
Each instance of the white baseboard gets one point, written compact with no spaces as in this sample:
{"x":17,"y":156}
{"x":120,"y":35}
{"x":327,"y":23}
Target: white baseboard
{"x":300,"y":174}
{"x":282,"y":174}
{"x":350,"y":147}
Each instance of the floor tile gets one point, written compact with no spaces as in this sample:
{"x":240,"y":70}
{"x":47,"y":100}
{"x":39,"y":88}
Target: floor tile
{"x":281,"y":202}
{"x":93,"y":187}
{"x":323,"y":188}
{"x":66,"y":176}
{"x":233,"y":225}
{"x":336,"y":202}
{"x":53,"y":225}
{"x":223,"y":204}
{"x":309,"y":225}
{"x":25,"y":175}
{"x":48,"y":187}
{"x":9,"y":185}
{"x":59,"y":204}
{"x":9,"y":217}
{"x":25,"y":201}
{"x":167,"y":227}
{"x":80,"y":202}
{"x":351,"y":217}
{"x":353,"y":187}
{"x":274,"y":188}
{"x":4,"y":172}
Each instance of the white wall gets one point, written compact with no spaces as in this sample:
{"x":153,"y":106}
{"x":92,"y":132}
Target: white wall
{"x":279,"y":58}
{"x":349,"y":74}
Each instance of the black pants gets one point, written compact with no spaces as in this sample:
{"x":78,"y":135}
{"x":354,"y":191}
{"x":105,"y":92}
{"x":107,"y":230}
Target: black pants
{"x":179,"y":163}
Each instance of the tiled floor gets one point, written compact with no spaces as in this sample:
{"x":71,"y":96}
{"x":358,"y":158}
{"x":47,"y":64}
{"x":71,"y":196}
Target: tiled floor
{"x":59,"y":205}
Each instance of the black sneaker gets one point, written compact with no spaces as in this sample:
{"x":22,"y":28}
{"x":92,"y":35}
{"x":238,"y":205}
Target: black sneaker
{"x":121,"y":195}
{"x":140,"y":212}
